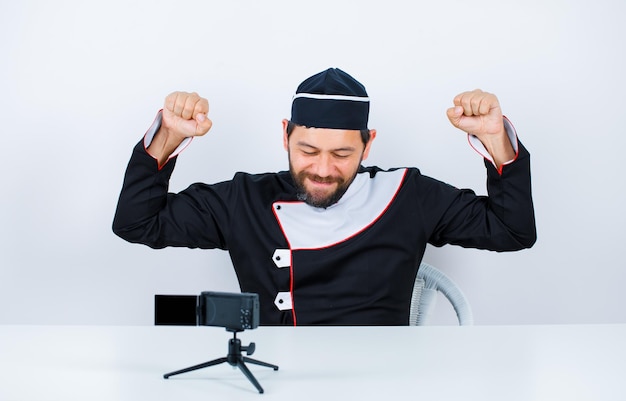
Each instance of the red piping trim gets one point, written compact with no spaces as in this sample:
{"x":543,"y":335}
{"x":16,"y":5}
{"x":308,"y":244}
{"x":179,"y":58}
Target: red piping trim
{"x":293,"y":301}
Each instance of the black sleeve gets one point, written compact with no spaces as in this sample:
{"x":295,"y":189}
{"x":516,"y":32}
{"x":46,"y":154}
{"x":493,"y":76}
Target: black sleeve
{"x":147,"y":214}
{"x":502,"y":221}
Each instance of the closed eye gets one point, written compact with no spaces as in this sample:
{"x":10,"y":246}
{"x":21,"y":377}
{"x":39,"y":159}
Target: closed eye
{"x":309,"y":152}
{"x":339,"y":153}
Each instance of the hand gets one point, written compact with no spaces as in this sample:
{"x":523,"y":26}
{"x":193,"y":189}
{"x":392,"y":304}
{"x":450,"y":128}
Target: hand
{"x":477,"y":113}
{"x":185,"y":115}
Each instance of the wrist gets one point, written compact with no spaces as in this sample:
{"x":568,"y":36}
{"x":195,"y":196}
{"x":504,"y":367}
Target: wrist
{"x":490,"y":149}
{"x":161,"y":143}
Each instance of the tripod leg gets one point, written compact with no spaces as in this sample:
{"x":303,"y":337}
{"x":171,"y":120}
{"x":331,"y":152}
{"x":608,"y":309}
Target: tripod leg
{"x":196,"y":367}
{"x":254,"y":361}
{"x":249,"y":375}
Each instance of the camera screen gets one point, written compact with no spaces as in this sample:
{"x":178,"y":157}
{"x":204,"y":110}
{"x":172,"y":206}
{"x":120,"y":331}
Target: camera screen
{"x":175,"y":310}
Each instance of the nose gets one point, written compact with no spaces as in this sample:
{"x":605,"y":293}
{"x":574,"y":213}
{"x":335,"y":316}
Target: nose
{"x":323,"y":165}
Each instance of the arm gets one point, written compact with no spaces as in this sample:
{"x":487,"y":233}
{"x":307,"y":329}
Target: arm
{"x":146,"y":213}
{"x":504,"y":220}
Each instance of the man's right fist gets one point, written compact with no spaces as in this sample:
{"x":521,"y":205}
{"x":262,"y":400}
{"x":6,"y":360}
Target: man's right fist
{"x":185,"y":114}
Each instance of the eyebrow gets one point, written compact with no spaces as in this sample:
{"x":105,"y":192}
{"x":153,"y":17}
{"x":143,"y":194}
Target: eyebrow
{"x":344,"y":149}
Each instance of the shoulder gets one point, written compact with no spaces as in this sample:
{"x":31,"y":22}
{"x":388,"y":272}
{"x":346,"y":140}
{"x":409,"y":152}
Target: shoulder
{"x":265,"y":187}
{"x":410,"y":177}
{"x":377,"y":172}
{"x":280,"y":178}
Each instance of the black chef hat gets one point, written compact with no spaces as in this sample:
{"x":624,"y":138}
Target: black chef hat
{"x":331,"y":99}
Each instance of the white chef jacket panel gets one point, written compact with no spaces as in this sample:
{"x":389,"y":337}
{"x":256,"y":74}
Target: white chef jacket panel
{"x":308,"y":227}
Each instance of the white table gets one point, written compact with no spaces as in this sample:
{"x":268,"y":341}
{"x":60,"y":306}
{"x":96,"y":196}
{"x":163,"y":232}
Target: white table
{"x":586,"y":362}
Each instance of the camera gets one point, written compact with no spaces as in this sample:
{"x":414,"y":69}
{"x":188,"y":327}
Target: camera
{"x":233,"y":311}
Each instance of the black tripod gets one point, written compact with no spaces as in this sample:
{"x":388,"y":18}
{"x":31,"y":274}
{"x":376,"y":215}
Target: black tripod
{"x":234,"y":358}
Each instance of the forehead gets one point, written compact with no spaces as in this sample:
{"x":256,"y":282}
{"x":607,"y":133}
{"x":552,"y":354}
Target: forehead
{"x":326,"y":138}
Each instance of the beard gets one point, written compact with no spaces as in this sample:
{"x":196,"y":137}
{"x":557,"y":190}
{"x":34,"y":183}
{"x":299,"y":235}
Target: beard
{"x":315,"y":199}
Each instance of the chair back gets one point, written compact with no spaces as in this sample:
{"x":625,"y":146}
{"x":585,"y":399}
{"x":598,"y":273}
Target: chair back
{"x":428,"y":283}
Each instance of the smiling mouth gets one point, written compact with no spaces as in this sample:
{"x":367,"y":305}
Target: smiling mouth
{"x":322,"y":182}
{"x":318,"y":182}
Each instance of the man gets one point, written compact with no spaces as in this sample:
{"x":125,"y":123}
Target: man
{"x":329,"y":241}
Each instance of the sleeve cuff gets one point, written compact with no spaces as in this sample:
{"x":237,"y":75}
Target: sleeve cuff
{"x":154,"y":128}
{"x":478,"y":146}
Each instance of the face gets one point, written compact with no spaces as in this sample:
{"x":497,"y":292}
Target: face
{"x":323,"y":162}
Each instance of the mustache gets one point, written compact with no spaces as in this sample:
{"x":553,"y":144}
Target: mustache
{"x":317,"y":178}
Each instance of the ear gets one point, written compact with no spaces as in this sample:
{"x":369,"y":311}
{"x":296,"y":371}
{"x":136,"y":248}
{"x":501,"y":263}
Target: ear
{"x":285,"y":137}
{"x":368,"y":145}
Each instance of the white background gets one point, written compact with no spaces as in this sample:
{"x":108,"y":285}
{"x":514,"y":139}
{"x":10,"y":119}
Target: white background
{"x":80,"y":82}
